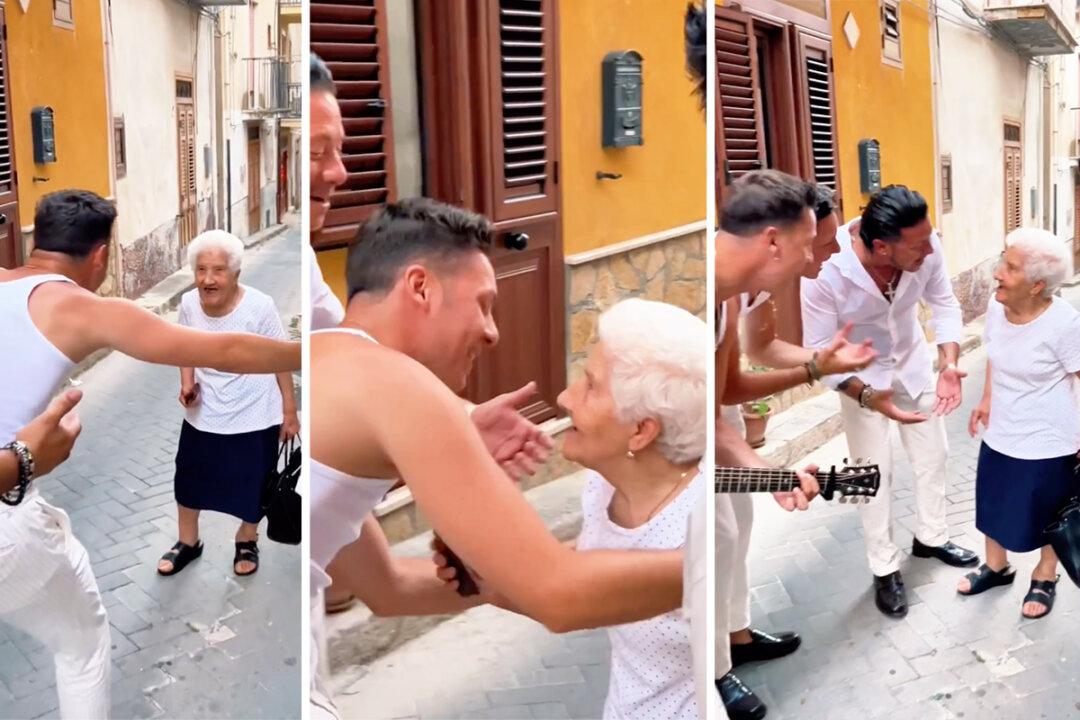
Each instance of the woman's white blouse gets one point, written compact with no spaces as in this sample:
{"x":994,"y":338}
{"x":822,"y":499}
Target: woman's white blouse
{"x":1034,"y":413}
{"x":229,"y":403}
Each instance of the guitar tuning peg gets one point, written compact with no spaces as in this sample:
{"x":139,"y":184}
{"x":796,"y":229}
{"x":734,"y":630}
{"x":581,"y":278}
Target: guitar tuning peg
{"x":866,"y":500}
{"x":843,"y":499}
{"x":858,"y":461}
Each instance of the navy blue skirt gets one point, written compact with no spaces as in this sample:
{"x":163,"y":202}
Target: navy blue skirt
{"x":225,"y":473}
{"x":1016,"y":499}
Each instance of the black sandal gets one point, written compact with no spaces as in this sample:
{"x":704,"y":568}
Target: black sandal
{"x":984,"y":579}
{"x":1042,"y":592}
{"x":180,"y":555}
{"x":247,"y":551}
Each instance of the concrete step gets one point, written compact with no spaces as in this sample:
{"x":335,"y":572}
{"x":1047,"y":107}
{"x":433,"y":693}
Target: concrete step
{"x":356,"y":637}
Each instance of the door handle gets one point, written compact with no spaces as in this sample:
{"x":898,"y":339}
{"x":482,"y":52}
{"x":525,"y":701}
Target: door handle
{"x":516,"y":240}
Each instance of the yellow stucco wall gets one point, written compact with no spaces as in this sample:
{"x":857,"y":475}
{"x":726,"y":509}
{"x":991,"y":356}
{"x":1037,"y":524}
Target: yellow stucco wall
{"x":332,"y":264}
{"x":63,"y":69}
{"x":663,"y":181}
{"x":892,"y":105}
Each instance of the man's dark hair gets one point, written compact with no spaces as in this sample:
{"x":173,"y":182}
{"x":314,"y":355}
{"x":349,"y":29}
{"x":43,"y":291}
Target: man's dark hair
{"x":407,"y":231}
{"x":73,"y":222}
{"x":765,"y":197}
{"x":824,"y":202}
{"x":321,"y":79}
{"x":890,"y":210}
{"x":695,"y":40}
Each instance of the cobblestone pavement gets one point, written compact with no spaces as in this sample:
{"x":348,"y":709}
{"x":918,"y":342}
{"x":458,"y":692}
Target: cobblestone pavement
{"x":951,"y":657}
{"x":204,"y":643}
{"x":484,"y":663}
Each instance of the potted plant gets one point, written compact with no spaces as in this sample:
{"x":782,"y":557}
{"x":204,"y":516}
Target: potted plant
{"x":756,"y":416}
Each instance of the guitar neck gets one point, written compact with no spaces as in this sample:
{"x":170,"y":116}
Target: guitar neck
{"x":752,"y":480}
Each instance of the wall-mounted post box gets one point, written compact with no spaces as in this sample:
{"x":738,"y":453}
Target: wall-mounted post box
{"x":622,"y":96}
{"x":869,"y":166}
{"x":44,"y":135}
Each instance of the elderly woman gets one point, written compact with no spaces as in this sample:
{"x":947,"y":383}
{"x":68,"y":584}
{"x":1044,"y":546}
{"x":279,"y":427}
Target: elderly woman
{"x":234,"y":423}
{"x":639,"y":425}
{"x":1029,"y":409}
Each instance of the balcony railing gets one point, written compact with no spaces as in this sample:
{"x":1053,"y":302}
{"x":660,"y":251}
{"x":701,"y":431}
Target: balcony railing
{"x":1036,"y":27}
{"x":272,"y":87}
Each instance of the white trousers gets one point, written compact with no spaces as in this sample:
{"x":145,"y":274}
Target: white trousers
{"x":927,"y":449}
{"x":50,"y":593}
{"x":734,"y":522}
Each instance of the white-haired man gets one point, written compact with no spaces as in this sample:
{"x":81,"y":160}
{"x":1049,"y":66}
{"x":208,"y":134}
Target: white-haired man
{"x":234,"y":422}
{"x":50,"y":320}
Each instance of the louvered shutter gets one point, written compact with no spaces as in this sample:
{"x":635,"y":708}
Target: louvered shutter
{"x":10,"y":236}
{"x":740,"y":142}
{"x":1014,"y":206}
{"x":351,"y":36}
{"x":7,"y":161}
{"x":523,"y":107}
{"x":817,"y":117}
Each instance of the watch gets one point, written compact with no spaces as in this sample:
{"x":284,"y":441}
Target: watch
{"x":26,"y":472}
{"x":865,"y":396}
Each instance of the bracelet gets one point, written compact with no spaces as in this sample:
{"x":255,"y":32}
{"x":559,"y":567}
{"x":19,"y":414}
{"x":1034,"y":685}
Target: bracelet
{"x":866,"y":395}
{"x":26,"y":472}
{"x":812,"y":367}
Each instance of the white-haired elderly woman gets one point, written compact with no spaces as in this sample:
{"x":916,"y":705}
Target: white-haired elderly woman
{"x":1029,"y":409}
{"x":639,"y":424}
{"x":638,"y":417}
{"x":234,"y":423}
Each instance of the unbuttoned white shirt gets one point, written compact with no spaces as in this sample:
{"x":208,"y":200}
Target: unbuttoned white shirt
{"x":844,"y":292}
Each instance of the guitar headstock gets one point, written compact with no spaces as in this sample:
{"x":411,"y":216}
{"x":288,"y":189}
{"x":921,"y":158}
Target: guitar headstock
{"x":856,"y":481}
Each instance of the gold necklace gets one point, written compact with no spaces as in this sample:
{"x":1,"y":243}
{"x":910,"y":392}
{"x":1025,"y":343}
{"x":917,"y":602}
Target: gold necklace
{"x":669,"y":494}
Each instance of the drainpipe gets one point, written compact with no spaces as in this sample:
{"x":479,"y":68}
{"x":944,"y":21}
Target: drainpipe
{"x":219,"y":118}
{"x":116,"y":258}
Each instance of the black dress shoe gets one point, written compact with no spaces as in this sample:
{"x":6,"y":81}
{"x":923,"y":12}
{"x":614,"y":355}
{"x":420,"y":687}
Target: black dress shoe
{"x":764,"y":646}
{"x":950,"y":553}
{"x":889,"y":594}
{"x":740,"y":701}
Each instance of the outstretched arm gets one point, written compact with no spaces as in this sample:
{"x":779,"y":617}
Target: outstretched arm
{"x":124,"y":326}
{"x":488,"y":523}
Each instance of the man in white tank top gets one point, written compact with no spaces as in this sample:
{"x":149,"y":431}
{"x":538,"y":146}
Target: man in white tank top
{"x":422,"y":295}
{"x":50,"y":320}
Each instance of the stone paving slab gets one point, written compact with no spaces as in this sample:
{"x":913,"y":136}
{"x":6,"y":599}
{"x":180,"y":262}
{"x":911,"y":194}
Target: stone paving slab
{"x":203,"y":643}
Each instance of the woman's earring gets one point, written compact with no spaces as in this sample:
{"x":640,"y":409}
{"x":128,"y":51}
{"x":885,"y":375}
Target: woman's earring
{"x":630,"y":454}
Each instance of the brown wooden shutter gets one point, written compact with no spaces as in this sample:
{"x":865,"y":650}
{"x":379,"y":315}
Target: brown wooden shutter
{"x":1014,"y":205}
{"x":10,"y":235}
{"x":352,"y":39}
{"x":523,"y":107}
{"x":740,"y":144}
{"x":817,"y":117}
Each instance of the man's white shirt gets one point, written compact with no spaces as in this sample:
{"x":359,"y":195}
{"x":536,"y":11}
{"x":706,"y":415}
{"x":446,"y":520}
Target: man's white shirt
{"x":844,"y":292}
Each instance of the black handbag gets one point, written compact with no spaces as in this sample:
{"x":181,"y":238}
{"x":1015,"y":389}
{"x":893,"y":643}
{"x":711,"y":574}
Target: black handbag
{"x":281,"y":503}
{"x":1064,"y":537}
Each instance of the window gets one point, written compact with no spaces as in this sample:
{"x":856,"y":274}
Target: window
{"x":119,"y":147}
{"x":63,"y":14}
{"x":890,"y":33}
{"x":946,"y":183}
{"x":184,"y":89}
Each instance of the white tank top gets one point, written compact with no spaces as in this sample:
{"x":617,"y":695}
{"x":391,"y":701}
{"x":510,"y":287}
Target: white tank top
{"x":32,"y":369}
{"x":339,"y":503}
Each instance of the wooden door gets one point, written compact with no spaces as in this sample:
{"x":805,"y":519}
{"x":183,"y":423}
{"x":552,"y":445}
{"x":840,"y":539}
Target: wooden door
{"x":283,"y":183}
{"x":1014,"y":177}
{"x":254,"y":160}
{"x":185,"y":160}
{"x":491,"y":122}
{"x":352,"y":39}
{"x":10,"y":234}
